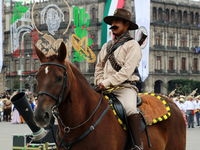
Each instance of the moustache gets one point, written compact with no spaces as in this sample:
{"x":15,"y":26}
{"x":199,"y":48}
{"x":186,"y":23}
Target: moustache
{"x":114,"y":27}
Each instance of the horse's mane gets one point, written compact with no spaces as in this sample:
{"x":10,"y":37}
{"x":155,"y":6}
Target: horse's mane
{"x":80,"y":77}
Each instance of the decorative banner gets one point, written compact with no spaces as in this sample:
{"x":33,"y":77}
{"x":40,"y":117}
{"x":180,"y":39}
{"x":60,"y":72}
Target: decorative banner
{"x":143,"y":22}
{"x":1,"y":37}
{"x":111,"y":5}
{"x":23,"y":22}
{"x":80,"y":42}
{"x":20,"y":14}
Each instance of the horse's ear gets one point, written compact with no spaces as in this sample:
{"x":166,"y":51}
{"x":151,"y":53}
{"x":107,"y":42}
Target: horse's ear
{"x":62,"y":52}
{"x":39,"y":53}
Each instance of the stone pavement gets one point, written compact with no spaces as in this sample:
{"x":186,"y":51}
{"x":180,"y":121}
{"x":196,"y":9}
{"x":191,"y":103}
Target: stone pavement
{"x":8,"y":129}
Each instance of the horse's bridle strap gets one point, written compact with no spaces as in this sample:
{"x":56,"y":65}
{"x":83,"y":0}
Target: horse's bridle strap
{"x":59,"y":99}
{"x":43,"y":92}
{"x":49,"y":63}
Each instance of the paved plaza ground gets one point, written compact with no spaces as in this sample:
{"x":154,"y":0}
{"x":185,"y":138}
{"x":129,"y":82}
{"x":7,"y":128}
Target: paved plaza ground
{"x":7,"y":130}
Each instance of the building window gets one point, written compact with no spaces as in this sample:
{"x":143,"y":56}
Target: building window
{"x":170,"y":41}
{"x":179,"y":16}
{"x":183,"y":42}
{"x":185,"y":16}
{"x":17,"y":67}
{"x":167,"y":15}
{"x":171,"y":63}
{"x":18,"y":23}
{"x":195,"y":43}
{"x":191,"y":18}
{"x":94,"y":14}
{"x":172,"y":15}
{"x":154,"y":14}
{"x":66,"y":17}
{"x":160,"y":14}
{"x":195,"y":64}
{"x":158,"y":62}
{"x":36,"y":64}
{"x":183,"y":63}
{"x":197,"y":19}
{"x":158,"y":40}
{"x":37,"y":19}
{"x":27,"y":65}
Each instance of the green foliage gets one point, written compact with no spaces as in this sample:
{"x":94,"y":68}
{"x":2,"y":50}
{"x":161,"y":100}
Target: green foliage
{"x":185,"y":86}
{"x":78,"y":57}
{"x":16,"y":83}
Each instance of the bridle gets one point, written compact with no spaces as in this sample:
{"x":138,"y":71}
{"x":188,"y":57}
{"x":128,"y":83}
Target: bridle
{"x":64,"y":86}
{"x":55,"y":114}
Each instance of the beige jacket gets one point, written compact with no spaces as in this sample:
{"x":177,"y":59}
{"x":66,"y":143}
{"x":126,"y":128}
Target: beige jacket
{"x":127,"y":55}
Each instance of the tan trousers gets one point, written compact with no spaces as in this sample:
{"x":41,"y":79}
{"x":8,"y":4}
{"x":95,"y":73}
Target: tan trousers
{"x":128,"y":98}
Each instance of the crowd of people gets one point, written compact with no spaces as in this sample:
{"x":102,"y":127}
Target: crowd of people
{"x":190,"y":107}
{"x":8,"y":112}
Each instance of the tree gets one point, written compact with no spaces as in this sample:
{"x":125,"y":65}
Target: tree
{"x":185,"y":86}
{"x":16,"y":83}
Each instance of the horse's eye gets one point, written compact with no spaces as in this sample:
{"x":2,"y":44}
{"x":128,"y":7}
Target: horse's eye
{"x":59,"y":78}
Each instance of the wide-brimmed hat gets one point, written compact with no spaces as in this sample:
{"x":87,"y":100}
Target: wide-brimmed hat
{"x":124,"y":14}
{"x":182,"y":99}
{"x":189,"y":97}
{"x":197,"y":97}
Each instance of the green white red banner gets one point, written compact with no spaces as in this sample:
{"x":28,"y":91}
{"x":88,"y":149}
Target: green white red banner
{"x":110,"y":7}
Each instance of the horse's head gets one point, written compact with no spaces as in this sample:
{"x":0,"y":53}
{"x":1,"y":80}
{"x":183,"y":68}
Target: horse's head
{"x":51,"y":84}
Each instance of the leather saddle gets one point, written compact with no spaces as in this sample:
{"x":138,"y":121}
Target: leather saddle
{"x":122,"y":115}
{"x":121,"y":111}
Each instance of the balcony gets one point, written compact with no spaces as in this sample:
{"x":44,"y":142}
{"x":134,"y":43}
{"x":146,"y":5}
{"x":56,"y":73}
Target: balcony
{"x":171,"y":71}
{"x":183,"y":71}
{"x":195,"y":72}
{"x":171,"y":48}
{"x":158,"y":71}
{"x":184,"y":48}
{"x":159,"y":47}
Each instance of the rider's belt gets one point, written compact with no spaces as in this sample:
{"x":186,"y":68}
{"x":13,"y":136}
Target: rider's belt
{"x":130,"y":82}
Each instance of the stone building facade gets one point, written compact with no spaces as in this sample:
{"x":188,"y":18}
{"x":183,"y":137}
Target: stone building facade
{"x":174,"y":35}
{"x":2,"y":74}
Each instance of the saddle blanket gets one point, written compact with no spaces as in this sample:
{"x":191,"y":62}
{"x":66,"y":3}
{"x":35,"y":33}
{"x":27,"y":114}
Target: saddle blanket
{"x":154,"y":108}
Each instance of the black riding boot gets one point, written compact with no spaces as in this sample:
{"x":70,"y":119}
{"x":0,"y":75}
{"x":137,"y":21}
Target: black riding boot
{"x":136,"y":131}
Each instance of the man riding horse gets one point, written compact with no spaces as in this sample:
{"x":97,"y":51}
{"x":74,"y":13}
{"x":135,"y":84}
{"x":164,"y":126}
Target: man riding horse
{"x":116,"y":65}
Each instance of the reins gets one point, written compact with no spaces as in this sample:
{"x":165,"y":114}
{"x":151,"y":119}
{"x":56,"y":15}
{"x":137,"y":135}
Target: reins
{"x":55,"y":114}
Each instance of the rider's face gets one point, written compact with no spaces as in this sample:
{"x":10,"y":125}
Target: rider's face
{"x":122,"y":27}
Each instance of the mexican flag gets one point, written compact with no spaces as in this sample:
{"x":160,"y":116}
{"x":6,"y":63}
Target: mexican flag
{"x":111,"y":5}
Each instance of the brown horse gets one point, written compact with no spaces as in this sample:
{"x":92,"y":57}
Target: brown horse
{"x":63,"y":89}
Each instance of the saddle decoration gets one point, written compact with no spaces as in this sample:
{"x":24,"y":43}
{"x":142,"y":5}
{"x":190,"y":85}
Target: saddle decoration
{"x":150,"y":119}
{"x":163,"y":112}
{"x":123,"y":125}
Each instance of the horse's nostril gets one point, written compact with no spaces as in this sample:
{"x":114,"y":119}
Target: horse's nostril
{"x":46,"y":116}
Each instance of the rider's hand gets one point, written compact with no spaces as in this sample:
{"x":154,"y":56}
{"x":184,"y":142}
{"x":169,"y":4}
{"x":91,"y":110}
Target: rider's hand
{"x":101,"y":86}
